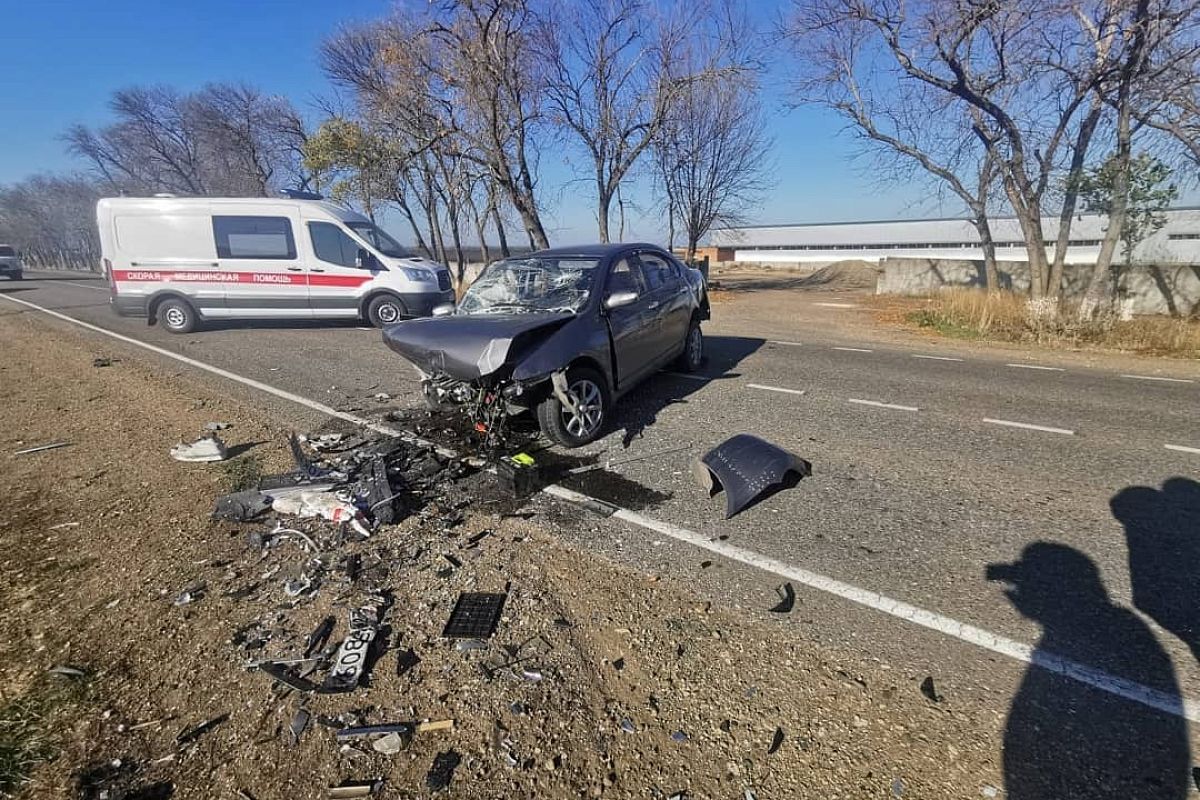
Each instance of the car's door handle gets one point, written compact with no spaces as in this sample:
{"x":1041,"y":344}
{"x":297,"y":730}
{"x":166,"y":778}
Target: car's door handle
{"x":317,"y":269}
{"x":295,"y":269}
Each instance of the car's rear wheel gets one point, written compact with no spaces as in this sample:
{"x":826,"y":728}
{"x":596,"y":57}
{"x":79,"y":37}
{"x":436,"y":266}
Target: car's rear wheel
{"x":384,"y":310}
{"x":584,"y":420}
{"x":693,"y":349}
{"x":177,"y":316}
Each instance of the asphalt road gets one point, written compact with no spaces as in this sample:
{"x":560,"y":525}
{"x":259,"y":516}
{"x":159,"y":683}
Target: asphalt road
{"x":921,"y":480}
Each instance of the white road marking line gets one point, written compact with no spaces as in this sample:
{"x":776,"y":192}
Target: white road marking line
{"x":837,"y":305}
{"x":224,"y":373}
{"x":775,"y":389}
{"x":1019,"y":651}
{"x":937,"y":358}
{"x":690,"y":377}
{"x":1036,"y":366}
{"x":1029,"y":426}
{"x":84,"y":286}
{"x":1157,"y":378}
{"x":789,"y":344}
{"x":1185,"y":707}
{"x":854,"y":349}
{"x":878,"y":404}
{"x":1182,"y":449}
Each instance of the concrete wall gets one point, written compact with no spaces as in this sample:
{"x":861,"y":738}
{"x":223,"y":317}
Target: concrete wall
{"x":1167,"y":289}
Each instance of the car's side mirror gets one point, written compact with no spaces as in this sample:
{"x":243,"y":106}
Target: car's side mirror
{"x":364,"y":260}
{"x":445,"y":309}
{"x":620,"y":299}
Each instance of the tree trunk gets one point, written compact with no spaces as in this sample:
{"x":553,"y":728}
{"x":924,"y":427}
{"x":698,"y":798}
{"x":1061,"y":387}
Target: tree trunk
{"x":501,"y":234}
{"x":603,"y":202}
{"x":991,"y":274}
{"x":1071,"y":196}
{"x":532,"y":222}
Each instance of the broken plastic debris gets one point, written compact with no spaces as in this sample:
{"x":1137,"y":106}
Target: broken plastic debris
{"x":745,"y":466}
{"x":299,"y":725}
{"x":326,"y":505}
{"x":389,"y":744}
{"x":206,"y":448}
{"x":467,"y":645}
{"x":897,"y":787}
{"x":776,"y":742}
{"x":67,"y":671}
{"x":42,"y":447}
{"x":627,"y":725}
{"x":433,"y":725}
{"x":928,"y":689}
{"x":475,"y":615}
{"x":241,"y":506}
{"x":787,"y":599}
{"x":679,"y":736}
{"x":192,"y":734}
{"x":354,"y":789}
{"x":216,"y":426}
{"x":442,"y":772}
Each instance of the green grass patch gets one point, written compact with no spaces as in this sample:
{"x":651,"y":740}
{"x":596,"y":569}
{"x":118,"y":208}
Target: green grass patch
{"x":243,"y":473}
{"x":931,"y":319}
{"x":28,"y":729}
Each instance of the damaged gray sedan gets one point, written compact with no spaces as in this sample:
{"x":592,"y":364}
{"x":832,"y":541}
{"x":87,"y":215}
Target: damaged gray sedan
{"x":562,"y":333}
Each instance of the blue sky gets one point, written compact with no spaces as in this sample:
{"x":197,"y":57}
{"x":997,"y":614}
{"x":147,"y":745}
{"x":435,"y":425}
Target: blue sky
{"x":62,"y":60}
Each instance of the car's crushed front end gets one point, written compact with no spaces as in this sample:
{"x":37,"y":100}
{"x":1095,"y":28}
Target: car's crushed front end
{"x":518,"y":326}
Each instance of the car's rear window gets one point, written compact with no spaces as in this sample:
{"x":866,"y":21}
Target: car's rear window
{"x":6,"y":251}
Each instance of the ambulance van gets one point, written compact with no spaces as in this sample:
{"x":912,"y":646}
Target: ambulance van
{"x":180,"y":261}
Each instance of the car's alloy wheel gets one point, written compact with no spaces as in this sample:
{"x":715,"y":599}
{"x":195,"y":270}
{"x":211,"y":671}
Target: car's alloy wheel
{"x":695,"y":346}
{"x":388,"y":313}
{"x":175,"y":317}
{"x":584,"y":419}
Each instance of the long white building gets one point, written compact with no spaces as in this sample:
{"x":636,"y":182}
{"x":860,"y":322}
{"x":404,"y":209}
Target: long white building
{"x":1177,"y":242}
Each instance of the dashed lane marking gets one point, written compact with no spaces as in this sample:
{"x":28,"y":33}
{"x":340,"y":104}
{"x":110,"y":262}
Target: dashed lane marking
{"x":877,"y":404}
{"x":1157,"y":378}
{"x":1182,"y":449}
{"x":1036,"y":366}
{"x":775,"y":389}
{"x":789,"y":344}
{"x":854,"y":349}
{"x":936,"y":358}
{"x":1029,"y":426}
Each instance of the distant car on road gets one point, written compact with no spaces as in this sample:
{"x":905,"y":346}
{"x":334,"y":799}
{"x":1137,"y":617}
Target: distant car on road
{"x":10,"y":263}
{"x":181,"y":260}
{"x":562,"y":332}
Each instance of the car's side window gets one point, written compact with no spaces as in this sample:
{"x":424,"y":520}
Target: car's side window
{"x":625,"y":277}
{"x":332,"y":245}
{"x":254,"y":237}
{"x":657,"y":271}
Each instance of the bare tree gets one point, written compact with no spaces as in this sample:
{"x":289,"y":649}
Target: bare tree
{"x":1015,"y":83}
{"x":223,"y":140}
{"x":711,"y":155}
{"x":611,"y":79}
{"x":51,"y":220}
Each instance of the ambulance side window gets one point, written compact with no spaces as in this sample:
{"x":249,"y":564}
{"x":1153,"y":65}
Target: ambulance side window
{"x":254,"y":237}
{"x":332,"y":245}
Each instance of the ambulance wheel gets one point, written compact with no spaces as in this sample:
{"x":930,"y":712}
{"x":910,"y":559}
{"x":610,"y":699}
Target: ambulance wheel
{"x":384,"y":310}
{"x":177,"y":316}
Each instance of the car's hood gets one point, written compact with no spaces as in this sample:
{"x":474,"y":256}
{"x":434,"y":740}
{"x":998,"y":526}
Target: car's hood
{"x":467,"y":346}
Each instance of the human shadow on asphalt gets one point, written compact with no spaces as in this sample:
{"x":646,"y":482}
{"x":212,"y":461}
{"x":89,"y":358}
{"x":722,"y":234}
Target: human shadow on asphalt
{"x":640,"y":408}
{"x":1065,"y":739}
{"x":1162,"y":532}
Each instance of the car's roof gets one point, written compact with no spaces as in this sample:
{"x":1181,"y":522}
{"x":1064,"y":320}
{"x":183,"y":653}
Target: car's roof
{"x":595,"y":250}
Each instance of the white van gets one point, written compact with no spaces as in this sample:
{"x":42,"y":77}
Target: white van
{"x":182,"y":260}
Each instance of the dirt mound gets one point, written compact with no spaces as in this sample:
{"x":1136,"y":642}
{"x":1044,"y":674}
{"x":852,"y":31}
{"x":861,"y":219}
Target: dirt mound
{"x":842,"y":275}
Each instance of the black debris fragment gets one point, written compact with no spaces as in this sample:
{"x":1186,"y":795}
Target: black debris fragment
{"x":190,"y":735}
{"x":406,"y":660}
{"x":475,"y":616}
{"x":241,"y":506}
{"x":745,"y":467}
{"x":287,"y":677}
{"x":365,"y":731}
{"x":319,"y":637}
{"x":442,"y":771}
{"x":299,"y":725}
{"x":776,"y":742}
{"x":927,"y":689}
{"x":787,"y":599}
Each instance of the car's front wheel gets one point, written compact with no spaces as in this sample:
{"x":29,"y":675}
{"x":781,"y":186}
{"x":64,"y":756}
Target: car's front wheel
{"x":693,"y":349}
{"x":584,"y":419}
{"x":385,"y":310}
{"x":177,"y":316}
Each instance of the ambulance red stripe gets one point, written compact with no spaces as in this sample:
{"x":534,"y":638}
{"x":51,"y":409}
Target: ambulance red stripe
{"x":250,"y":278}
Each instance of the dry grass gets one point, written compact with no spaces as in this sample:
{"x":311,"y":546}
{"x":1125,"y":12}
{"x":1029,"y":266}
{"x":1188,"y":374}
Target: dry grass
{"x":973,"y":314}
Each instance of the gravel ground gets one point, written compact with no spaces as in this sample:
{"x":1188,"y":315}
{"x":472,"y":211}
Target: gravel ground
{"x":644,"y":690}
